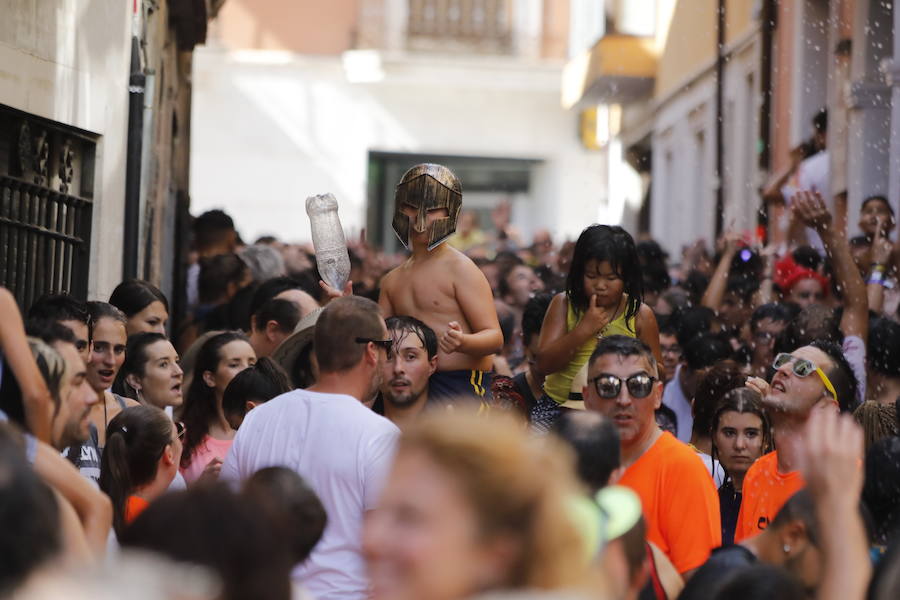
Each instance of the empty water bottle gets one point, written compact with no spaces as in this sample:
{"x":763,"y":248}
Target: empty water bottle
{"x":328,"y":240}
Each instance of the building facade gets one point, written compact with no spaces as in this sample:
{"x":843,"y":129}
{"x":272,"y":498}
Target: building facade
{"x":345,"y":98}
{"x":94,"y":140}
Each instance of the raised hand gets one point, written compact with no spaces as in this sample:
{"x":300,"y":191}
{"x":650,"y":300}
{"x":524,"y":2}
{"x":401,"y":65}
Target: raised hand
{"x":882,"y":247}
{"x":810,"y":209}
{"x":596,"y":317}
{"x":333,"y":293}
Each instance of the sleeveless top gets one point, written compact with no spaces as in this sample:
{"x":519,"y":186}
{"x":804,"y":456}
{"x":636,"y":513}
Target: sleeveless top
{"x":567,"y":383}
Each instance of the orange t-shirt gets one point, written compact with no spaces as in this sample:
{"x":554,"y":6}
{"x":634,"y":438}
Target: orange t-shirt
{"x":680,"y":502}
{"x":764,"y":492}
{"x":134,"y":506}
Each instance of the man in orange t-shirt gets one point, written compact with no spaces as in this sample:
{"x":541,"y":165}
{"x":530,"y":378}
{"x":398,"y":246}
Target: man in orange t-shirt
{"x":811,"y":378}
{"x":680,"y":502}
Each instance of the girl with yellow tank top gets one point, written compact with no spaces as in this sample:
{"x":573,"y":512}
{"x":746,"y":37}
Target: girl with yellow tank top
{"x":603,"y":297}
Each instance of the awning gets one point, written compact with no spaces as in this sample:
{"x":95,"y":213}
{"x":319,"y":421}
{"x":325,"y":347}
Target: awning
{"x":618,"y":69}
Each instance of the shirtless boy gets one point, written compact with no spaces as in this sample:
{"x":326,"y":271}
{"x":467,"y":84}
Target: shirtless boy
{"x":440,"y":285}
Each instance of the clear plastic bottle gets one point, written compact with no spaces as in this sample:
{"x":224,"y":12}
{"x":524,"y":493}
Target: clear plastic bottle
{"x":328,"y":240}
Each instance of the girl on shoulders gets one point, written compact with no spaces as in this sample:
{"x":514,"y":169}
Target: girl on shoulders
{"x":604,"y":296}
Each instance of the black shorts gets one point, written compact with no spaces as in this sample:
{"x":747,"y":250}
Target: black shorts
{"x":451,"y":386}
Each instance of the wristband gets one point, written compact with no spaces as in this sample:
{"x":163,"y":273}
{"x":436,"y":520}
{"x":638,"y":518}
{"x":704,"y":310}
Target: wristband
{"x":879,"y":267}
{"x":876,"y":277}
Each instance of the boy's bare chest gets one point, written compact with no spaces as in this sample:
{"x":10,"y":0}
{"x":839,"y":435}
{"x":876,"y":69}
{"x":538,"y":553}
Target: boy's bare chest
{"x":423,"y":290}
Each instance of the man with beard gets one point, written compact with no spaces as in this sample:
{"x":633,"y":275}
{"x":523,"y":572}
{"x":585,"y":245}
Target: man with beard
{"x":409,"y":366}
{"x":339,"y":446}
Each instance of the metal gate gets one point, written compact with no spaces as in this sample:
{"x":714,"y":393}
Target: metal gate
{"x":46,"y":192}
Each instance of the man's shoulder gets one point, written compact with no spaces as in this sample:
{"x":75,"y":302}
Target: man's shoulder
{"x":765,"y":465}
{"x":674,"y":456}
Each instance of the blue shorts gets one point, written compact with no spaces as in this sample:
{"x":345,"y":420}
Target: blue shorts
{"x":451,"y":386}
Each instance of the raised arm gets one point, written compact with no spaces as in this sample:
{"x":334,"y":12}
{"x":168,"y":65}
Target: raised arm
{"x":810,"y":208}
{"x":36,"y":398}
{"x":556,"y":346}
{"x":648,"y":332}
{"x":715,"y":291}
{"x":882,"y":251}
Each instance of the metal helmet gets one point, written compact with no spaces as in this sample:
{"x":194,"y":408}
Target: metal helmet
{"x":426,"y":187}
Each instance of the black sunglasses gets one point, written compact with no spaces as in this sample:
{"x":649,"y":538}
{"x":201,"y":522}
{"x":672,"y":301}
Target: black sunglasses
{"x":386,"y":344}
{"x":608,"y":386}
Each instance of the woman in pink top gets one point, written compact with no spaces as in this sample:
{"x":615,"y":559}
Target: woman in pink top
{"x":209,"y":435}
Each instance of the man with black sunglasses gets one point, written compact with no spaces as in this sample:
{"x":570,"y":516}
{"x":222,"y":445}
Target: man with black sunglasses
{"x":680,"y":502}
{"x":811,"y":378}
{"x":326,"y":434}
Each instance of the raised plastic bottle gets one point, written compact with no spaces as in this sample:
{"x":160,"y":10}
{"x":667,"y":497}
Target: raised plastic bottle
{"x":328,"y":240}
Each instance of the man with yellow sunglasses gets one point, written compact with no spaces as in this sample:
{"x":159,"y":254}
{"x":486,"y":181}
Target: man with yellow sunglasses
{"x":814,"y":377}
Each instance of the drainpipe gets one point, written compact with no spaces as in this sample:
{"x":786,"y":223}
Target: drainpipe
{"x":763,"y":149}
{"x":720,"y":72}
{"x":131,"y":229}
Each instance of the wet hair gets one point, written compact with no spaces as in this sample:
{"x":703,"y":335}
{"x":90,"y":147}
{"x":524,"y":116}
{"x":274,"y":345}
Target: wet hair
{"x":877,"y":198}
{"x":134,"y":295}
{"x":666,"y":419}
{"x":773,"y":310}
{"x":877,"y":421}
{"x":760,"y":582}
{"x":723,"y":377}
{"x":840,"y":374}
{"x":595,"y":441}
{"x":743,"y":287}
{"x":695,"y":285}
{"x":283,"y":312}
{"x":341,"y":322}
{"x":533,"y":315}
{"x":691,"y":322}
{"x":135,"y":441}
{"x":406,"y":325}
{"x":799,"y":507}
{"x":742,"y":400}
{"x":704,"y":350}
{"x":200,"y":403}
{"x":260,"y":383}
{"x":29,"y":516}
{"x":216,"y":273}
{"x":210,"y":227}
{"x":59,"y":307}
{"x":612,"y":244}
{"x":49,"y":332}
{"x":883,"y":348}
{"x":808,"y":257}
{"x":881,"y":490}
{"x":135,"y":360}
{"x":104,"y":310}
{"x":623,"y":346}
{"x":814,"y":322}
{"x":292,"y":506}
{"x":220,"y":530}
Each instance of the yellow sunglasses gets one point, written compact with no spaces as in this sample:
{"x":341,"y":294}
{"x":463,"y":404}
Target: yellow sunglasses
{"x":803,"y":368}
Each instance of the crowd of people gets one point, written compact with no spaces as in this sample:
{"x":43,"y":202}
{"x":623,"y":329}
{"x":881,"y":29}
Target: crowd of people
{"x":473,"y":418}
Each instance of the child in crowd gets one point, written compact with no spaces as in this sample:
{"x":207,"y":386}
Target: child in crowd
{"x":604,"y":296}
{"x":441,"y":286}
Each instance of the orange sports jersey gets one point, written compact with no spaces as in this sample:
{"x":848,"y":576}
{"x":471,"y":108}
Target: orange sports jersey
{"x":680,"y":502}
{"x":764,"y":492}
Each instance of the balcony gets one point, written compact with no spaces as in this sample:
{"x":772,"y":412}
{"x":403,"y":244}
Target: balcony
{"x":480,"y":26}
{"x":618,"y":69}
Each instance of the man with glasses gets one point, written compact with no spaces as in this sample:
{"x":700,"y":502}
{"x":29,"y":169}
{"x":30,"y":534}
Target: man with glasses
{"x":811,"y":378}
{"x":326,"y":434}
{"x":680,"y":503}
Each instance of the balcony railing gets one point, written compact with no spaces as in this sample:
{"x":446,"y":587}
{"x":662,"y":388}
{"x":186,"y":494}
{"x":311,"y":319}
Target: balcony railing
{"x":460,"y":25}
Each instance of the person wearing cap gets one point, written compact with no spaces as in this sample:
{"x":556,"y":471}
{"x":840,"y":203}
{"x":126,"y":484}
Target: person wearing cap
{"x":680,"y":504}
{"x":326,"y":434}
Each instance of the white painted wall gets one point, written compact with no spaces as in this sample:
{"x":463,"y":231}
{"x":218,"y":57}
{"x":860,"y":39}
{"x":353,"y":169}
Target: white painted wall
{"x":269,"y":129}
{"x":68,"y":61}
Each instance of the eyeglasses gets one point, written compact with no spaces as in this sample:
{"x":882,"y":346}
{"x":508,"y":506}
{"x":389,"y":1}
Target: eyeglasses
{"x":386,"y":344}
{"x":180,"y":430}
{"x":608,"y":386}
{"x":804,"y":368}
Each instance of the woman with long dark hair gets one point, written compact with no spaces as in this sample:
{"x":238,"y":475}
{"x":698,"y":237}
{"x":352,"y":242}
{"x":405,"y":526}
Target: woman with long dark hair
{"x":209,"y":435}
{"x":740,"y":433}
{"x":142,"y":454}
{"x":145,"y":306}
{"x":152,"y":373}
{"x":603,"y":297}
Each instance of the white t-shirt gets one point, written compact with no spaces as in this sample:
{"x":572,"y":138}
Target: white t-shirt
{"x":344,"y":451}
{"x":674,"y":398}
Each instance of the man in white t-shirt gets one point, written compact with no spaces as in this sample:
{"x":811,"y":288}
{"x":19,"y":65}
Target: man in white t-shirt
{"x":325,"y":433}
